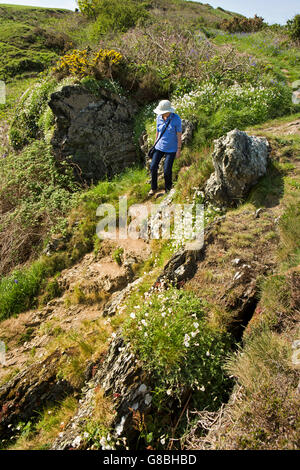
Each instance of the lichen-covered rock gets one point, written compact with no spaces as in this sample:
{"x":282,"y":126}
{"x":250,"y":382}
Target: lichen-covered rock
{"x":239,"y":161}
{"x":95,"y":132}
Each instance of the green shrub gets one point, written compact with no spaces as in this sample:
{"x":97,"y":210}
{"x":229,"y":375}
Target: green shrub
{"x":240,"y":24}
{"x":294,"y":27}
{"x":51,"y":291}
{"x":94,"y":86}
{"x":18,"y":290}
{"x":170,"y":335}
{"x":113,"y":15}
{"x":117,"y":255}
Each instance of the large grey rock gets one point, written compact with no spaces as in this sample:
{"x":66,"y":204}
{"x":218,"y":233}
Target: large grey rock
{"x":239,"y":161}
{"x":94,"y":133}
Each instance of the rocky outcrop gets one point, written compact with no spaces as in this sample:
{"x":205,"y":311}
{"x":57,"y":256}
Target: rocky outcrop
{"x":239,"y":161}
{"x":93,"y":133}
{"x":122,"y":378}
{"x":183,"y":264}
{"x":30,"y":390}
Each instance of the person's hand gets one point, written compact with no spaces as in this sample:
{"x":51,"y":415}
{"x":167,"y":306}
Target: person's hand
{"x":178,"y":153}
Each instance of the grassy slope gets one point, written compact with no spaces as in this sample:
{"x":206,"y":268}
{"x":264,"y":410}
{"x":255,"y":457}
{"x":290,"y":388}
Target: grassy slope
{"x":23,"y":44}
{"x":31,"y":38}
{"x":268,"y":47}
{"x":25,"y":50}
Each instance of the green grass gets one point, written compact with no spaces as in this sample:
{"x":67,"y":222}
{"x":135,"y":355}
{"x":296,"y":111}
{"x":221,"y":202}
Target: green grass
{"x":19,"y":290}
{"x":266,"y":412}
{"x":273,"y":49}
{"x":48,"y":423}
{"x":14,"y":89}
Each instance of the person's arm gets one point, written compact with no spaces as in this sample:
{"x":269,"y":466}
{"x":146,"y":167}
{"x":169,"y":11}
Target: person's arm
{"x":179,"y":134}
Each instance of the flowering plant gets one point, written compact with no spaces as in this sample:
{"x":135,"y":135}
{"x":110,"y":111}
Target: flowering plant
{"x":170,"y":334}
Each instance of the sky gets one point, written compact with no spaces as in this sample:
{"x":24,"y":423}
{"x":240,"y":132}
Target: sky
{"x":273,"y":11}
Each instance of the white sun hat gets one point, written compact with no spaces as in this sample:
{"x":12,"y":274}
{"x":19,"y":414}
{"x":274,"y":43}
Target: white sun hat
{"x":164,"y":107}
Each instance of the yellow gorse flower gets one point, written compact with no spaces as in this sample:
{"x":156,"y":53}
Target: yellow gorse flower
{"x":78,"y":62}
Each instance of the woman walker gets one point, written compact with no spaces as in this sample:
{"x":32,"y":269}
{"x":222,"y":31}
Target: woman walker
{"x":167,"y":142}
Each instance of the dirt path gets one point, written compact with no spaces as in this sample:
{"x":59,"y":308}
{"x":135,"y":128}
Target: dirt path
{"x":289,"y":128}
{"x":87,"y":286}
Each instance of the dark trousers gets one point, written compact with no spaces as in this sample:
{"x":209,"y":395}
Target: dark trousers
{"x":157,"y":156}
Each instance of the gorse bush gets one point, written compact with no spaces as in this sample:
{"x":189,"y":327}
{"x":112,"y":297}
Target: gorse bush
{"x":81,"y":63}
{"x":170,"y":335}
{"x":239,"y":24}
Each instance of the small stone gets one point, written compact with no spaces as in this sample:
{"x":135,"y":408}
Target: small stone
{"x":148,"y":399}
{"x":236,"y":261}
{"x":142,"y":388}
{"x":258,"y":213}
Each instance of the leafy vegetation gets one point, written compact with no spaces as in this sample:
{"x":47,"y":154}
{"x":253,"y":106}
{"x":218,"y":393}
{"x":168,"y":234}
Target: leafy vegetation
{"x":294,"y":27}
{"x":169,"y":333}
{"x":185,"y":356}
{"x":28,"y":43}
{"x":35,"y":196}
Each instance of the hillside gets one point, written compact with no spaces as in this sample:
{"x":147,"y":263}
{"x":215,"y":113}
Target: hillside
{"x":144,"y":343}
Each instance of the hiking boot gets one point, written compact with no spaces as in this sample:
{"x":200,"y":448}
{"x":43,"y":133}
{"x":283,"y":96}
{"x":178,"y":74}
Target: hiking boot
{"x":152,"y":192}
